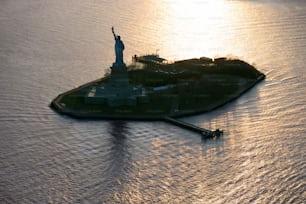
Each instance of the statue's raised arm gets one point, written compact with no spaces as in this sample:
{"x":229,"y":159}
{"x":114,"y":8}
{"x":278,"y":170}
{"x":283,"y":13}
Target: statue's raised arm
{"x":115,"y":36}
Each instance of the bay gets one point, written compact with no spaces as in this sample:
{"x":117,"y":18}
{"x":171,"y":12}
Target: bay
{"x":48,"y":47}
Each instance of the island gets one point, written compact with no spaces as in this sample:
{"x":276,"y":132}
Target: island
{"x":152,"y":88}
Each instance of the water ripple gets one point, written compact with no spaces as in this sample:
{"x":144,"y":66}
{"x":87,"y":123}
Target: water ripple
{"x":50,"y":47}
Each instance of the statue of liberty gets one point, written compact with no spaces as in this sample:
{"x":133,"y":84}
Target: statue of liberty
{"x":119,"y":47}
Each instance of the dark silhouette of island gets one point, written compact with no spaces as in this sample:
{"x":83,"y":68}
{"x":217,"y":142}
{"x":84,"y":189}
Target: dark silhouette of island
{"x":153,"y":89}
{"x":158,"y":90}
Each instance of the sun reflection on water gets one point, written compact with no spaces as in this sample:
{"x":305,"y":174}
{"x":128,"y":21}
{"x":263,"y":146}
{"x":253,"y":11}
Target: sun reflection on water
{"x":186,"y":29}
{"x":187,"y":19}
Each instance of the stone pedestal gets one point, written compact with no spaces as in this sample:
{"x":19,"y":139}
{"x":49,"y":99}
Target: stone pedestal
{"x":117,"y":91}
{"x":119,"y":76}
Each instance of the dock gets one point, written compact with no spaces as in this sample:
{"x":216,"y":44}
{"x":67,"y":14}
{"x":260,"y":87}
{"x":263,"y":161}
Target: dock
{"x":204,"y":132}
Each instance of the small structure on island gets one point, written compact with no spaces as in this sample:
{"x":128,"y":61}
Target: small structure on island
{"x":117,"y":91}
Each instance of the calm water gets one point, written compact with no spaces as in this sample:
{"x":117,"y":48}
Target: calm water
{"x":48,"y":47}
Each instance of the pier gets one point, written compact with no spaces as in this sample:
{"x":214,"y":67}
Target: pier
{"x":204,"y":132}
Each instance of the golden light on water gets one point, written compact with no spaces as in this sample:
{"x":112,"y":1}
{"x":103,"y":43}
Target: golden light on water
{"x":187,"y":29}
{"x":193,"y":27}
{"x":201,"y":9}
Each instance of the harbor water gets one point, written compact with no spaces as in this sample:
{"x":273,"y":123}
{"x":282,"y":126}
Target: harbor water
{"x":49,"y":47}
